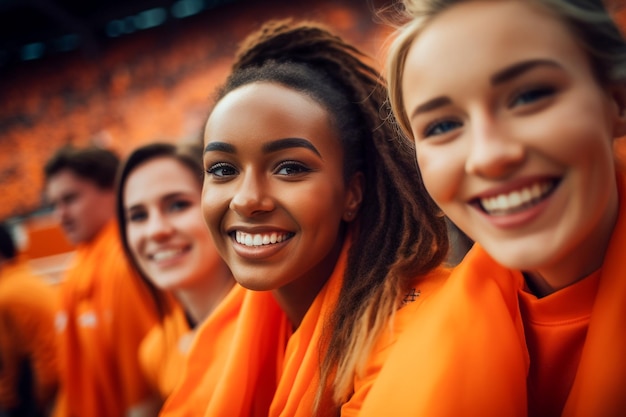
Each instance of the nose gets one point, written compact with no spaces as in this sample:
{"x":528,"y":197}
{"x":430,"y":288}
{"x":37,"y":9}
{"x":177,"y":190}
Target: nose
{"x":61,"y":212}
{"x":252,"y":196}
{"x":158,"y":227}
{"x":494,"y":151}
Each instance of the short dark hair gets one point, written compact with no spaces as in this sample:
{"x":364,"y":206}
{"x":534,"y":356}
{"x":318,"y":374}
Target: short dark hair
{"x":94,"y":164}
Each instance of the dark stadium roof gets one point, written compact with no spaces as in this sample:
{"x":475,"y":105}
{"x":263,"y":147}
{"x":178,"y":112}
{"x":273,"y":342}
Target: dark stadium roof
{"x":36,"y":29}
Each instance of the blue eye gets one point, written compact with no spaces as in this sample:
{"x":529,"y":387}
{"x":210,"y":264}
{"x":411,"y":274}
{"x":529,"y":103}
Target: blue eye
{"x":531,"y":96}
{"x":221,"y":170}
{"x":441,"y":127}
{"x":290,"y":168}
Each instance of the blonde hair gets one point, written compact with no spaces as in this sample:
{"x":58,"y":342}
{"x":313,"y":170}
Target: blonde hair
{"x":588,"y":20}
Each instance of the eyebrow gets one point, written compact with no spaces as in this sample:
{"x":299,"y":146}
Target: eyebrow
{"x":280,"y":144}
{"x":500,"y":77}
{"x":518,"y":69}
{"x":220,"y":147}
{"x":274,"y":146}
{"x":433,"y":104}
{"x":166,"y":197}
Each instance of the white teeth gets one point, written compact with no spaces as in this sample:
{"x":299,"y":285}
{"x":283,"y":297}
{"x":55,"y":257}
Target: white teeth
{"x":248,"y":239}
{"x":515,"y":200}
{"x":165,"y":254}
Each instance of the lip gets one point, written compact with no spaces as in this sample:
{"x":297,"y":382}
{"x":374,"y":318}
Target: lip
{"x":513,"y":185}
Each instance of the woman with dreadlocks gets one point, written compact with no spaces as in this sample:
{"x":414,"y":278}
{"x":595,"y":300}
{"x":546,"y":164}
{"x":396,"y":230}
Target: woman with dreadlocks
{"x":313,"y":206}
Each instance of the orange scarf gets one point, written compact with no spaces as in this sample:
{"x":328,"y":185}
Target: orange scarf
{"x":263,"y":369}
{"x":105,"y":314}
{"x":464,"y":354}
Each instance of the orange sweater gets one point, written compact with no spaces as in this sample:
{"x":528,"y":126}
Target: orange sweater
{"x":105,"y":313}
{"x":27,"y":309}
{"x":466,"y":352}
{"x":261,"y":369}
{"x":425,"y":287}
{"x":163,"y":352}
{"x":211,"y":345}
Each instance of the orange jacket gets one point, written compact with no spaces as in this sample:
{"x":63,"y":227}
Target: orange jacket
{"x":205,"y":360}
{"x":105,"y":313}
{"x":260,"y":368}
{"x":465,"y":353}
{"x":425,"y":287}
{"x":27,"y":309}
{"x":163,"y":352}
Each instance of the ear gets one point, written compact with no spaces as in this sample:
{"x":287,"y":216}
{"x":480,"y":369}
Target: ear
{"x":354,"y":196}
{"x":618,"y":95}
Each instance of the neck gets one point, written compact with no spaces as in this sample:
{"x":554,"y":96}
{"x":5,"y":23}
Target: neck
{"x":200,"y":300}
{"x":296,"y":298}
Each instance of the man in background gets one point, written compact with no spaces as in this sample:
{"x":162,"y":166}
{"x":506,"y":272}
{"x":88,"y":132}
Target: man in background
{"x":105,"y":312}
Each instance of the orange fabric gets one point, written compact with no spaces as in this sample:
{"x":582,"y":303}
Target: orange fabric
{"x":426,"y":286}
{"x":105,"y":313}
{"x":27,"y":309}
{"x":465,"y":353}
{"x":206,"y":358}
{"x":264,"y":370}
{"x":163,"y":352}
{"x":555,"y":327}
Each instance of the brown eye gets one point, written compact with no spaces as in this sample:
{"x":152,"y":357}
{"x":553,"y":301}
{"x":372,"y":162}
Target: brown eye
{"x":291,"y":168}
{"x":221,"y":170}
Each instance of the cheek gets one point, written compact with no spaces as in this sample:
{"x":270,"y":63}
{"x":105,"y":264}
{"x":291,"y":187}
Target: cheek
{"x":436,"y":173}
{"x":133,"y":235}
{"x":212,"y":211}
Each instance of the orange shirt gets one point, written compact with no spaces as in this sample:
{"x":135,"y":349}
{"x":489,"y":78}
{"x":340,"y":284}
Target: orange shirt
{"x":267,"y":369}
{"x":210,"y":347}
{"x":425,"y":287}
{"x":105,"y":313}
{"x":556,"y":327}
{"x":163,"y":352}
{"x":262,"y":368}
{"x":27,"y":309}
{"x":466,"y":352}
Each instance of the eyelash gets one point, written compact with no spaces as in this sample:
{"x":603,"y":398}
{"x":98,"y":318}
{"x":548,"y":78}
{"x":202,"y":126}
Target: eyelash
{"x":429,"y":131}
{"x":136,"y":217}
{"x":535,"y":93}
{"x":179,"y":205}
{"x":213,"y":169}
{"x":299,"y":167}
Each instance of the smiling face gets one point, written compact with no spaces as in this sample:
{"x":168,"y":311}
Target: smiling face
{"x":164,"y":226}
{"x":513,"y":136}
{"x":274,"y":193}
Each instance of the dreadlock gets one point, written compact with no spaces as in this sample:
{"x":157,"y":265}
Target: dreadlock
{"x":399,"y":233}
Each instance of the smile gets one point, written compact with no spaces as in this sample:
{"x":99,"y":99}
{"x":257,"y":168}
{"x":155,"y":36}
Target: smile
{"x":261,"y":239}
{"x":518,"y":200}
{"x":166,"y":254}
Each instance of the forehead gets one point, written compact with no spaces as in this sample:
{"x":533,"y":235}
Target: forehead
{"x":67,"y":181}
{"x":159,"y":177}
{"x":490,"y":35}
{"x":267,"y":111}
